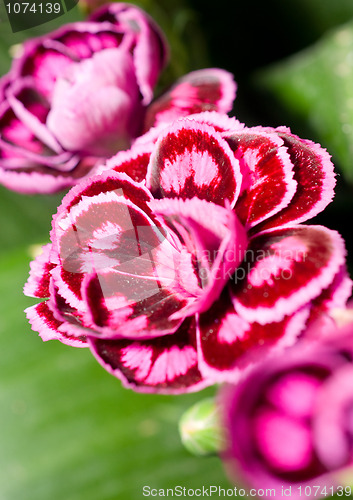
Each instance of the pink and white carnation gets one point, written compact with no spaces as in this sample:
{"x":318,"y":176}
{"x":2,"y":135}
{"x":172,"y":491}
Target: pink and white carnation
{"x":289,"y":423}
{"x":76,"y":96}
{"x":186,"y":261}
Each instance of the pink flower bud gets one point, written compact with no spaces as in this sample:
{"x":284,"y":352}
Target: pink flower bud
{"x":289,"y":423}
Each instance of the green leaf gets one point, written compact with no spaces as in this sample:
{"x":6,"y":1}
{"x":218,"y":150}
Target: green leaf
{"x":315,"y":89}
{"x":25,"y":220}
{"x":315,"y":16}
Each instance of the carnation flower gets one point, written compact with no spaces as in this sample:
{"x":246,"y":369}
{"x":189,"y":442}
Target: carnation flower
{"x":289,"y":423}
{"x":185,"y":262}
{"x":76,"y":96}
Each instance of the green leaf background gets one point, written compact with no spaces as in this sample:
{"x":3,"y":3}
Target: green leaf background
{"x":315,"y":87}
{"x":68,"y":430}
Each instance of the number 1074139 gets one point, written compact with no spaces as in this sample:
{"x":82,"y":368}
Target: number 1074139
{"x":34,"y":8}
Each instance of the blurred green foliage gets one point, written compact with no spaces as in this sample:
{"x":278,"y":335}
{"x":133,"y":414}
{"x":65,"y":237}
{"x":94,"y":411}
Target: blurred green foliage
{"x":315,"y":87}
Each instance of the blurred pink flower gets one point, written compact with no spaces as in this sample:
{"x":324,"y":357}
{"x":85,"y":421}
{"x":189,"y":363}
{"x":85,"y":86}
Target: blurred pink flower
{"x":185,"y":262}
{"x":78,"y":95}
{"x":289,"y":423}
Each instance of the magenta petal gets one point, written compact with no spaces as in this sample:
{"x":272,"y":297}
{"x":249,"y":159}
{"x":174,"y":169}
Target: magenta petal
{"x":285,"y":269}
{"x":96,"y":105}
{"x":68,"y":286}
{"x":86,"y":87}
{"x":19,"y":139}
{"x":39,"y":276}
{"x":321,"y":321}
{"x":121,"y":306}
{"x":314,"y":173}
{"x":268,"y":185}
{"x":333,"y":419}
{"x":220,"y":122}
{"x":33,"y":182}
{"x":131,"y":285}
{"x":32,"y":110}
{"x":5,"y":81}
{"x":270,"y":417}
{"x":297,"y":454}
{"x":217,"y":244}
{"x":25,"y":142}
{"x":31,"y":161}
{"x":203,"y":90}
{"x":192,"y":159}
{"x":46,"y":58}
{"x":167,"y":364}
{"x":43,"y":321}
{"x":44,"y":62}
{"x":150,"y":50}
{"x":70,"y":318}
{"x":83,"y":39}
{"x":104,"y":231}
{"x":294,"y":394}
{"x":151,"y":55}
{"x":133,"y":162}
{"x":338,"y":293}
{"x":228,"y":345}
{"x":105,"y":183}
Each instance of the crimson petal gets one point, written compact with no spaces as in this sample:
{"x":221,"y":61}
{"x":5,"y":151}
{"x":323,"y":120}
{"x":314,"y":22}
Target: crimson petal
{"x":122,"y":306}
{"x":268,"y":185}
{"x":44,"y":62}
{"x":285,"y":269}
{"x":203,"y":90}
{"x":105,"y":183}
{"x":228,"y":345}
{"x":217,"y":244}
{"x":39,"y":277}
{"x":191,"y":159}
{"x":134,"y":162}
{"x":314,"y":173}
{"x":331,"y":302}
{"x":43,"y":321}
{"x":166,"y":364}
{"x":131,"y":268}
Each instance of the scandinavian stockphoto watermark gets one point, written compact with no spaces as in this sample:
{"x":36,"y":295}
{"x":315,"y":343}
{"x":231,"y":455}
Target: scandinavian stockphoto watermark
{"x":285,"y":491}
{"x":23,"y":14}
{"x":206,"y":491}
